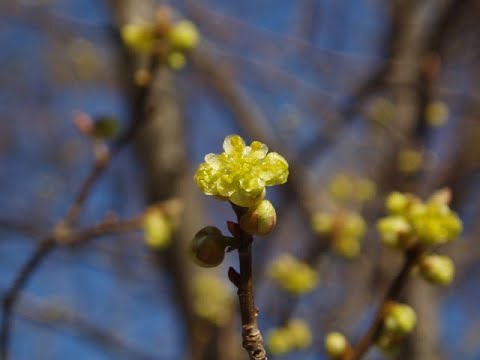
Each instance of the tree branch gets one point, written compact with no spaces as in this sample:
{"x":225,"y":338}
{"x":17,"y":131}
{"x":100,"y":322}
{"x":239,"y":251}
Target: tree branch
{"x":251,"y":335}
{"x":393,"y":293}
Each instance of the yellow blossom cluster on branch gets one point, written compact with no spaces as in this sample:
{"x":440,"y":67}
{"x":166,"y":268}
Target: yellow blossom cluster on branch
{"x":162,"y":36}
{"x":241,"y":173}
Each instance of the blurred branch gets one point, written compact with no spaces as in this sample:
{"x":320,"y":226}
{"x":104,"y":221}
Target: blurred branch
{"x":392,"y":294}
{"x":56,"y":317}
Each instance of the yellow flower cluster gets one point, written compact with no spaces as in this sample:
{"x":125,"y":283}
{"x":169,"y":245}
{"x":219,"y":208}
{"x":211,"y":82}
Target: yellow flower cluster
{"x":359,"y":189}
{"x":212,"y":298}
{"x":346,"y":229}
{"x":293,"y":275}
{"x":162,"y":37}
{"x":412,"y":221}
{"x":399,"y":320}
{"x":295,"y":335}
{"x":241,"y":173}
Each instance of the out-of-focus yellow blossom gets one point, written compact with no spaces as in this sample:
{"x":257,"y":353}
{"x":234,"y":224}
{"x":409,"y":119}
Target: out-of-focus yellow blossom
{"x":212,"y":298}
{"x":157,"y":228}
{"x":344,"y":187}
{"x":293,"y":275}
{"x":340,"y":187}
{"x":346,"y":229}
{"x":409,"y":161}
{"x":336,"y":345}
{"x":295,"y":335}
{"x":437,"y":269}
{"x":430,"y":223}
{"x":183,"y":35}
{"x":279,"y":341}
{"x":392,"y":229}
{"x":322,"y":222}
{"x":139,"y":37}
{"x":241,"y":173}
{"x":399,"y":318}
{"x":176,"y":60}
{"x":365,"y":190}
{"x":382,"y":111}
{"x":389,"y":343}
{"x":436,"y":113}
{"x":300,"y":333}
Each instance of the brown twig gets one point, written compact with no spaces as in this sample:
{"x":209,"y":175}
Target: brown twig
{"x":45,"y":247}
{"x":393,"y":292}
{"x":251,"y":335}
{"x":56,"y":317}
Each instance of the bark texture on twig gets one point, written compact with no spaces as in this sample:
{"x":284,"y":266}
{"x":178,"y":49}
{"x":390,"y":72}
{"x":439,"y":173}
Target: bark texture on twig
{"x":251,"y":335}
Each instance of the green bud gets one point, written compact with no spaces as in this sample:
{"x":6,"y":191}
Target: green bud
{"x":105,"y":127}
{"x":336,"y":345}
{"x":259,"y":219}
{"x":437,"y":269}
{"x":207,"y":248}
{"x":399,"y":318}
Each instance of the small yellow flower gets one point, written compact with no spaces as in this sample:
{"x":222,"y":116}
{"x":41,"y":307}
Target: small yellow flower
{"x":157,"y":228}
{"x":139,"y":37}
{"x":437,"y":269}
{"x":336,"y":345}
{"x":176,"y":60}
{"x":241,"y":173}
{"x":183,"y":35}
{"x":399,"y":318}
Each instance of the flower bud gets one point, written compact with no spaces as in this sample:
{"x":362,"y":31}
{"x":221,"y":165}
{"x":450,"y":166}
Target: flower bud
{"x":391,"y":229}
{"x":336,"y":345}
{"x":437,"y":269}
{"x":399,"y":318}
{"x":138,"y":36}
{"x":322,"y":222}
{"x":436,"y":113}
{"x":176,"y":60}
{"x":183,"y":35}
{"x":396,"y":202}
{"x":207,"y":248}
{"x":259,"y":219}
{"x":105,"y":127}
{"x":300,"y":333}
{"x":157,"y":229}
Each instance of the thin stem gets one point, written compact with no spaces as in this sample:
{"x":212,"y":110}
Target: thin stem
{"x":251,"y":335}
{"x":393,"y":292}
{"x":45,"y":246}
